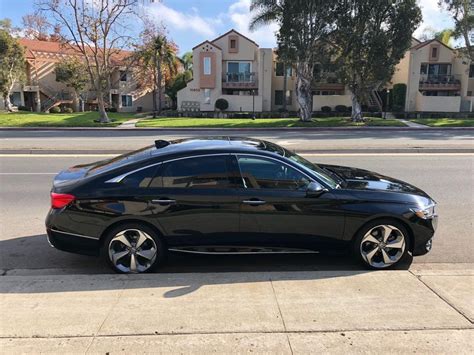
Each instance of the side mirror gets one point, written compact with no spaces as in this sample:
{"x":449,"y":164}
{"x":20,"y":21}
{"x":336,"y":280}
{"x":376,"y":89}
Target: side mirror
{"x":314,"y":189}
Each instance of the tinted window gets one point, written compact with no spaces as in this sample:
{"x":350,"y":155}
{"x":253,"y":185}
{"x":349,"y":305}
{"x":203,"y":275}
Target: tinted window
{"x":259,"y":173}
{"x":204,"y":172}
{"x":140,"y":179}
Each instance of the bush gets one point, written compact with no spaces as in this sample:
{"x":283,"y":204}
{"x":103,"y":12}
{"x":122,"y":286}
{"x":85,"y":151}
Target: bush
{"x":55,"y":109}
{"x":23,"y":108}
{"x":67,"y":110}
{"x":222,"y":104}
{"x":399,"y":94}
{"x":341,"y":108}
{"x":326,"y":109}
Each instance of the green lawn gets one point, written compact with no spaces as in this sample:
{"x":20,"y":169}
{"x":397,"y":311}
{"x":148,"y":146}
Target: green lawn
{"x":182,"y":122}
{"x":78,"y":119}
{"x":446,"y":122}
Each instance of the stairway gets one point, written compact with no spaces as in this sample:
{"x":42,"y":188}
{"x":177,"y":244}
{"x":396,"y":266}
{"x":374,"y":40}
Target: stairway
{"x":375,"y":100}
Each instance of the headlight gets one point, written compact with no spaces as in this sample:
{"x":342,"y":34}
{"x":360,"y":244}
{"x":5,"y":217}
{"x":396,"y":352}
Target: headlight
{"x":425,"y":212}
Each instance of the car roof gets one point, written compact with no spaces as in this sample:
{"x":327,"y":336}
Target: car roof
{"x":218,"y":143}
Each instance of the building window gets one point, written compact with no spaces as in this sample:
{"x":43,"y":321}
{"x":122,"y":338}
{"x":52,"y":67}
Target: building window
{"x":127,"y":101}
{"x":123,"y":75}
{"x":207,"y":96}
{"x":434,"y":52}
{"x":207,"y":65}
{"x":233,"y":44}
{"x":280,"y":70}
{"x":471,"y":71}
{"x":469,"y":93}
{"x":279,"y":97}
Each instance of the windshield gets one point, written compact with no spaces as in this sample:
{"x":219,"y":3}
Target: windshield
{"x":121,"y":160}
{"x":324,"y":175}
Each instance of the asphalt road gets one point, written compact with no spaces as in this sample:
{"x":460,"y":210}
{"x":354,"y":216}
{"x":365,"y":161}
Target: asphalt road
{"x":300,"y":140}
{"x":24,"y":201}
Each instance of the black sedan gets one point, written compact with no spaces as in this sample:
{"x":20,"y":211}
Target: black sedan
{"x":229,"y":195}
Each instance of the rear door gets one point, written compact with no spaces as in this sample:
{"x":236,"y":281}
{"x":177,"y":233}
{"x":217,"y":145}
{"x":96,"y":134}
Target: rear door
{"x":276,"y":211}
{"x":194,"y":200}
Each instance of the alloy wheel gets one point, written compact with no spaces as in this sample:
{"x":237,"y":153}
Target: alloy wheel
{"x":382,"y":246}
{"x":132,"y":251}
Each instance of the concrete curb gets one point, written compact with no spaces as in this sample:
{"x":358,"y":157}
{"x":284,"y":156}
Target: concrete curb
{"x":204,"y":129}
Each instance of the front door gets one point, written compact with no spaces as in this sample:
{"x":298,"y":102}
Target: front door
{"x":276,"y":211}
{"x":195,"y":202}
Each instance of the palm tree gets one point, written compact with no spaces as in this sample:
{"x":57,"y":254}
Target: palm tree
{"x":187,"y":61}
{"x":265,"y":12}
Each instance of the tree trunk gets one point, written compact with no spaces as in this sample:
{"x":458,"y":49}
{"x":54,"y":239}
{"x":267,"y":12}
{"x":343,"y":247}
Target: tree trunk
{"x":104,"y":118}
{"x":159,"y":86}
{"x":155,"y":75}
{"x":75,"y":102}
{"x":303,"y":91}
{"x":356,"y":115}
{"x":8,"y":103}
{"x":285,"y":85}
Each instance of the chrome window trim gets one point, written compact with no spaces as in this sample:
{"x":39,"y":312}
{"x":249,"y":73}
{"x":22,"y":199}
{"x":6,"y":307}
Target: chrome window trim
{"x":74,"y":234}
{"x":311,"y":179}
{"x":119,"y":178}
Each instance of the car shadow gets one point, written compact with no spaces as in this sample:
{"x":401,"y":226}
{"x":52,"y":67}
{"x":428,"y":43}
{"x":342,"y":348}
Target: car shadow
{"x":183,"y":273}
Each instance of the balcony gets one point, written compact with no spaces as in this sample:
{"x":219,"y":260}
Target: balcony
{"x":440,"y":82}
{"x":245,"y":80}
{"x":328,"y":83}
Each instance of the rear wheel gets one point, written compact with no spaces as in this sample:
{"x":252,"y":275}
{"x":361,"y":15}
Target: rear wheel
{"x":381,"y":244}
{"x":132,"y":249}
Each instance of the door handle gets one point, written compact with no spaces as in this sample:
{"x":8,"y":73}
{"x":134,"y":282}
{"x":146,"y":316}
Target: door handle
{"x":254,"y":202}
{"x":164,"y":201}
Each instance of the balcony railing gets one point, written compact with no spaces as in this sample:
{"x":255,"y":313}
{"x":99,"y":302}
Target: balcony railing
{"x":440,"y":82}
{"x":240,"y":80}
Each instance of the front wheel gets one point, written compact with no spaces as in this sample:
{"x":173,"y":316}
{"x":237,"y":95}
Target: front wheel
{"x":381,"y":244}
{"x":132,"y":249}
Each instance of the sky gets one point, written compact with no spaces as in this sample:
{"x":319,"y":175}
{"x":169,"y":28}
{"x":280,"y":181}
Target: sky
{"x":189,"y":22}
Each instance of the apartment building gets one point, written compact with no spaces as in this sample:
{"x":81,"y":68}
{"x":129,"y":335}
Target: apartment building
{"x":250,"y":78}
{"x":40,"y":91}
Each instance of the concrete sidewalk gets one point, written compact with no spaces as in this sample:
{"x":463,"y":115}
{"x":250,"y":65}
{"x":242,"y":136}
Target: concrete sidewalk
{"x":427,"y":309}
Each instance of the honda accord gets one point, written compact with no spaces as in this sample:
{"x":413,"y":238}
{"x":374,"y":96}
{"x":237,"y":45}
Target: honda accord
{"x":233,"y":195}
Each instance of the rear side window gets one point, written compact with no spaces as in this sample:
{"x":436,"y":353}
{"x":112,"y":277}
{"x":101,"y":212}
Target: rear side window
{"x":141,"y":178}
{"x":204,"y":173}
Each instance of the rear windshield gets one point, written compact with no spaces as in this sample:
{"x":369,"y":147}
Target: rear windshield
{"x":121,"y":160}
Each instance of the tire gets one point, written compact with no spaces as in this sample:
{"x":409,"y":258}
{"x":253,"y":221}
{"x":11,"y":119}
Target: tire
{"x":133,"y":248}
{"x":375,"y":249}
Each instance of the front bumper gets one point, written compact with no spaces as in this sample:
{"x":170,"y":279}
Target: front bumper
{"x":424,"y":231}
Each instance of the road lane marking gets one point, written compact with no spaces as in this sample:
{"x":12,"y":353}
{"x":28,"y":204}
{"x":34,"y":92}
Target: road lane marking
{"x":304,"y":154}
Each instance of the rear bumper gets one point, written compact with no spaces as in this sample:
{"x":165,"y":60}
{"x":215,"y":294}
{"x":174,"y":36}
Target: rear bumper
{"x":73,"y":243}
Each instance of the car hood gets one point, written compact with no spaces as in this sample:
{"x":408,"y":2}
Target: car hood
{"x":359,"y":179}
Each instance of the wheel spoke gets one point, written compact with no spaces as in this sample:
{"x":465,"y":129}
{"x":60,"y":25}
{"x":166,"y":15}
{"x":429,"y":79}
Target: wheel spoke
{"x":147,"y":254}
{"x":386,"y":257}
{"x":397,"y":244}
{"x":371,"y":254}
{"x":370,"y":238}
{"x":133,"y":263}
{"x":123,"y":239}
{"x":142,"y":238}
{"x":118,"y":255}
{"x":387,"y":230}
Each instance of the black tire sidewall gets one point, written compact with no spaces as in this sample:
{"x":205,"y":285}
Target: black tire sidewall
{"x":160,"y":245}
{"x":368,"y":226}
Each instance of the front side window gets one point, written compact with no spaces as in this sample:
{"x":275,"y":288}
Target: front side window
{"x":261,"y":173}
{"x":197,"y":173}
{"x":207,"y":65}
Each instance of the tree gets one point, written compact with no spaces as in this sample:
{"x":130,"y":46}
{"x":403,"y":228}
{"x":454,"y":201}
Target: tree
{"x":463,"y":17}
{"x":176,"y":84}
{"x":187,"y":61}
{"x":97,"y":30}
{"x":370,"y":40}
{"x":444,"y":36}
{"x":304,"y":25}
{"x":157,"y":61}
{"x":73,"y":73}
{"x":12,"y":65}
{"x":36,"y":26}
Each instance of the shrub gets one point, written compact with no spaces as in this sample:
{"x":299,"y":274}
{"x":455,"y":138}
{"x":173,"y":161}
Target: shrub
{"x":399,"y":94}
{"x":341,"y":108}
{"x":222,"y":104}
{"x":326,"y":109}
{"x":54,"y":109}
{"x":67,"y":110}
{"x":23,"y":108}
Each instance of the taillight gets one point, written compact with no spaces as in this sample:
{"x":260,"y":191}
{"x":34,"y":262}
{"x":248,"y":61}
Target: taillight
{"x":61,"y":200}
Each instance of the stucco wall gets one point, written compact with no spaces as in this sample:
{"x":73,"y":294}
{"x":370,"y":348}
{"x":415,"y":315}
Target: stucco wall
{"x":438,"y":103}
